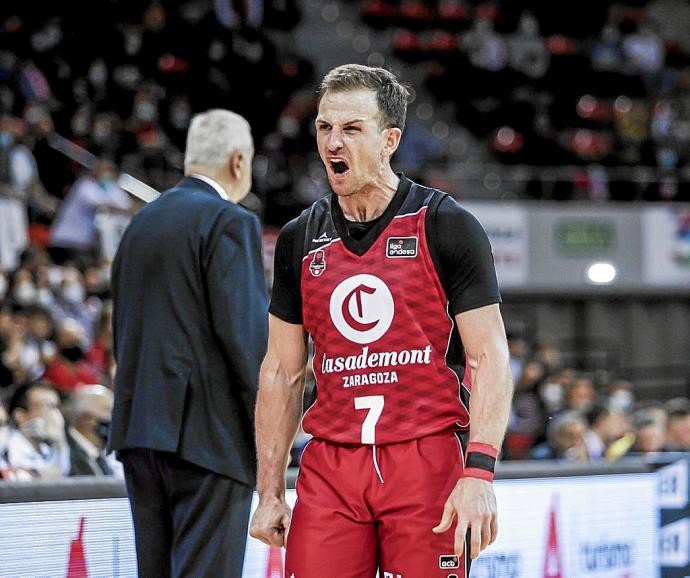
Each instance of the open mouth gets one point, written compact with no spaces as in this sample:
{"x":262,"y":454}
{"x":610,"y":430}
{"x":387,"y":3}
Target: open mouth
{"x":339,"y":167}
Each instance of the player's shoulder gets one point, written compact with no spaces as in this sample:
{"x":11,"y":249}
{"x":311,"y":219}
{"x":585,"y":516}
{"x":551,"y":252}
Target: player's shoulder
{"x":292,"y":230}
{"x":450,"y":212}
{"x":296,"y":228}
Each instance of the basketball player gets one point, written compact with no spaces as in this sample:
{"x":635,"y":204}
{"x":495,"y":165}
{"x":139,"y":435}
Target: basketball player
{"x":395,"y":284}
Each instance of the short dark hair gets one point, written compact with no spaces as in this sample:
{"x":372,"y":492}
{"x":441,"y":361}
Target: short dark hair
{"x":20,"y":397}
{"x":391,"y":95}
{"x":677,"y":408}
{"x":596,"y":412}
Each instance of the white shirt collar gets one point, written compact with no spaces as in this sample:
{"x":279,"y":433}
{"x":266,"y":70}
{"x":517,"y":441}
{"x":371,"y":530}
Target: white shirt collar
{"x":91,"y":450}
{"x":209,"y":181}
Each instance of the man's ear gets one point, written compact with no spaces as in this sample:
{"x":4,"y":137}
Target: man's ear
{"x":235,"y":165}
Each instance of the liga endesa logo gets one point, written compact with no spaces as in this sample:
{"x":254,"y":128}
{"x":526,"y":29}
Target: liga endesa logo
{"x":362,"y":308}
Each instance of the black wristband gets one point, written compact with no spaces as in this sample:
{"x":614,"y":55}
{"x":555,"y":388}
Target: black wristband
{"x":480,"y":461}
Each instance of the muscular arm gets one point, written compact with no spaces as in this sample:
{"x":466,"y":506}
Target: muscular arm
{"x":472,"y":500}
{"x":483,"y":337}
{"x":278,"y":413}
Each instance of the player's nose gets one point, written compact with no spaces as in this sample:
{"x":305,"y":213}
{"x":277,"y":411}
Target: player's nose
{"x":335,"y":140}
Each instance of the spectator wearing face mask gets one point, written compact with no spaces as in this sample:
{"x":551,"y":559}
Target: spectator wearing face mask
{"x":622,"y":396}
{"x":69,"y":369}
{"x":70,"y":303}
{"x":89,"y":421}
{"x":28,"y":347}
{"x":23,"y":292}
{"x":74,"y":235}
{"x":36,"y":443}
{"x":20,"y":189}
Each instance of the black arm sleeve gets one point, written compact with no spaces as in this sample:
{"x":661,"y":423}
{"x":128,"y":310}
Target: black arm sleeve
{"x":462,"y":255}
{"x":286,"y":297}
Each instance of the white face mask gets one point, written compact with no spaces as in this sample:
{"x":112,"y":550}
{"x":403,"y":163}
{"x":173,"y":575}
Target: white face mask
{"x":45,"y":297}
{"x":73,"y":293}
{"x":25,"y":293}
{"x":552,"y":395}
{"x":4,"y":437}
{"x":622,"y":400}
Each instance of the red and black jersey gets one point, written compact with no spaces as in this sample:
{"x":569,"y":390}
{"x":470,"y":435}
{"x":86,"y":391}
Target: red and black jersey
{"x":388,"y":362}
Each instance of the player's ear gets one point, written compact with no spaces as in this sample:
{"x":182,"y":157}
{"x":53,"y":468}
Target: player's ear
{"x":393,"y":136}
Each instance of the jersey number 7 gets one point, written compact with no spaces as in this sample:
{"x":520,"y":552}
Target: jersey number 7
{"x":374,"y":403}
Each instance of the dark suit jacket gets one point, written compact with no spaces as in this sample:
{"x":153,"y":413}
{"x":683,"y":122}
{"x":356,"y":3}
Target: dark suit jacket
{"x":190,"y":330}
{"x":80,"y":462}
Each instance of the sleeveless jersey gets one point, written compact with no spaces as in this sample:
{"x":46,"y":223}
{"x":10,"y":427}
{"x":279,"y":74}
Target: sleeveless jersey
{"x":381,"y":332}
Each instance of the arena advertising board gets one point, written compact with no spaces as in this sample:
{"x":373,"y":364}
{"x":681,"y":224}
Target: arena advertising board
{"x":587,"y":527}
{"x":508,"y":231}
{"x":594,"y":527}
{"x":666,"y":258}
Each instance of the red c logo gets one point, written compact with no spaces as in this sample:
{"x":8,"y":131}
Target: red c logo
{"x":345,"y":309}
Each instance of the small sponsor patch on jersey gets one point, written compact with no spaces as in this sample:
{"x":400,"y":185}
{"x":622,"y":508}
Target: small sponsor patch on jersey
{"x":324,"y":238}
{"x":318,"y":263}
{"x":397,"y":247}
{"x":448,"y":562}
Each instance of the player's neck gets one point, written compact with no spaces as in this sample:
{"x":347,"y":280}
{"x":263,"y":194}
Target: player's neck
{"x":371,"y":201}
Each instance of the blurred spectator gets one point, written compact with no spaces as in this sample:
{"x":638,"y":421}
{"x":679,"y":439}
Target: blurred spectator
{"x":644,"y":50}
{"x":518,"y":348}
{"x":100,"y":355}
{"x":4,"y":437}
{"x":69,"y":304}
{"x":527,"y":50}
{"x":89,"y":414}
{"x":24,"y":290}
{"x":6,"y":334}
{"x":552,"y":390}
{"x":487,"y":49}
{"x":37,"y":442}
{"x":621,"y":396}
{"x":548,"y":354}
{"x":564,"y":439}
{"x":650,"y":435}
{"x":607,"y":52}
{"x":74,"y":236}
{"x":527,"y":416}
{"x":678,"y":425}
{"x":604,"y":427}
{"x":69,"y":369}
{"x":580,"y":394}
{"x":28,"y":349}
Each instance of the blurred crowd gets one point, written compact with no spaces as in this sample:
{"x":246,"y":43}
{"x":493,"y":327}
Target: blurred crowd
{"x":124,"y":87}
{"x":597,"y":87}
{"x":561,"y":413}
{"x":124,"y":94}
{"x":80,"y":104}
